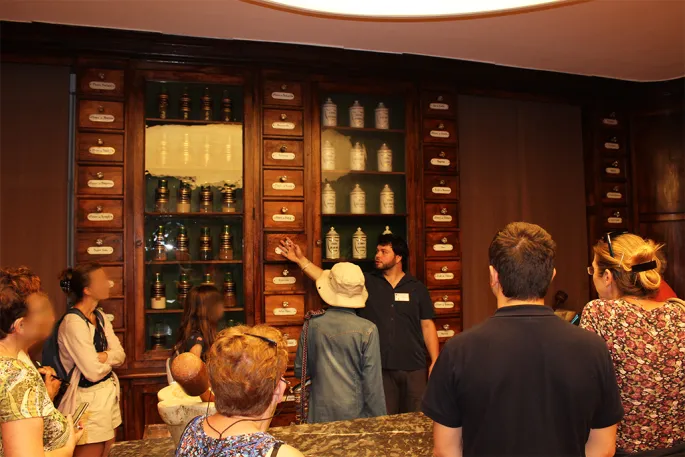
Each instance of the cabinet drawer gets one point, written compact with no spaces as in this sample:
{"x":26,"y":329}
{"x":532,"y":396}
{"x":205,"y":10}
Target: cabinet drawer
{"x":283,"y":183}
{"x":442,"y":215}
{"x":99,"y":247}
{"x":282,"y":122}
{"x":116,"y":280}
{"x":283,"y":309}
{"x":439,"y":131}
{"x":100,"y":147}
{"x":286,"y":93}
{"x":614,"y":193}
{"x":615,"y":218}
{"x":612,"y":144}
{"x":284,"y":215}
{"x":440,"y":159}
{"x":447,"y":327}
{"x":443,"y":274}
{"x":283,"y":153}
{"x":101,"y":115}
{"x":446,"y":301}
{"x":614,"y":168}
{"x":436,"y":103}
{"x":442,"y":244}
{"x":99,"y":180}
{"x":100,"y":81}
{"x":283,"y":278}
{"x":292,"y":336}
{"x":104,"y":214}
{"x":115,"y":311}
{"x":273,"y":240}
{"x":611,"y":119}
{"x":440,"y":187}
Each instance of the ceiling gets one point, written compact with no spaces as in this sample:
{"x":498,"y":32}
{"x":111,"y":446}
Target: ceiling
{"x":638,"y":40}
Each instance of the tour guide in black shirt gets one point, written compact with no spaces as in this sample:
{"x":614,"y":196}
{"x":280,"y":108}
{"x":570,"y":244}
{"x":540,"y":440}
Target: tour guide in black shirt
{"x":525,"y":382}
{"x":401,"y":308}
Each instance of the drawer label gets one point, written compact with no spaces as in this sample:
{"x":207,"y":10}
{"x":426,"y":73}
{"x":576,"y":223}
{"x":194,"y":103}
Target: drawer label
{"x":283,"y":185}
{"x":100,"y":250}
{"x":442,"y":218}
{"x":609,"y":121}
{"x":615,"y":220}
{"x":439,"y":106}
{"x":111,"y":283}
{"x":443,"y":276}
{"x":284,"y":280}
{"x":283,"y":218}
{"x":289,"y":398}
{"x":283,"y":156}
{"x":285,"y":311}
{"x":443,"y":304}
{"x":440,"y":162}
{"x":101,"y":183}
{"x":100,"y":217}
{"x":283,"y":125}
{"x":611,"y":145}
{"x":445,"y":333}
{"x":615,"y":195}
{"x":282,"y":95}
{"x":291,"y":343}
{"x":102,"y":150}
{"x":101,"y":118}
{"x":441,"y":190}
{"x":440,"y":134}
{"x":101,"y":85}
{"x":613,"y":171}
{"x":443,"y":247}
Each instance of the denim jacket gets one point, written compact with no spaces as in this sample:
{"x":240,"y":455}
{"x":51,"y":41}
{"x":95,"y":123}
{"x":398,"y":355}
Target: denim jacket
{"x":344,"y":363}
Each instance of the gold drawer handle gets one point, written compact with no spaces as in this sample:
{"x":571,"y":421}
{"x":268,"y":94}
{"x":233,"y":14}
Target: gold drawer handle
{"x":443,"y":211}
{"x":284,"y":86}
{"x":101,"y":76}
{"x":285,"y":273}
{"x":101,"y":109}
{"x":284,"y":210}
{"x":616,"y":188}
{"x":99,"y":242}
{"x":445,"y":298}
{"x":442,"y":154}
{"x":98,"y":209}
{"x":285,"y":304}
{"x":284,"y":116}
{"x":444,"y":269}
{"x":441,"y":126}
{"x":283,"y":178}
{"x":446,"y":326}
{"x":613,"y":139}
{"x":284,"y":148}
{"x":440,"y":98}
{"x":444,"y":240}
{"x":442,"y":182}
{"x":100,"y":142}
{"x":617,"y":214}
{"x":614,"y":163}
{"x":99,"y":175}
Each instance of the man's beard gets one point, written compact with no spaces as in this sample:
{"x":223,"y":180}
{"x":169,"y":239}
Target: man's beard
{"x":385,"y":266}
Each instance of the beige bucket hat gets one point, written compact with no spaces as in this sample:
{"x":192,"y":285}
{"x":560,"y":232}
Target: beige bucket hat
{"x":343,"y":286}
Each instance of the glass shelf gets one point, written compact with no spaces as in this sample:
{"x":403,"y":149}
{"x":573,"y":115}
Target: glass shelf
{"x":363,"y":129}
{"x":153,"y":120}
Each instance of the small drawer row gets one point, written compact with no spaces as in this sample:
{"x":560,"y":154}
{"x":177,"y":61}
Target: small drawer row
{"x":614,"y":218}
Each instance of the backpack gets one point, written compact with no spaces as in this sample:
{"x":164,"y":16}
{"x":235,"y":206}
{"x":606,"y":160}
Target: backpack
{"x":51,"y":351}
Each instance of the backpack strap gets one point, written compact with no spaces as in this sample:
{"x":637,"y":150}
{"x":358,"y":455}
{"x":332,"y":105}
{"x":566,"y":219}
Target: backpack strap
{"x":303,"y":378}
{"x":276,"y":448}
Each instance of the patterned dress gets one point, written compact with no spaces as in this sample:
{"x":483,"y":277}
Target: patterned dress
{"x":648,"y":351}
{"x":23,"y":396}
{"x":196,"y":443}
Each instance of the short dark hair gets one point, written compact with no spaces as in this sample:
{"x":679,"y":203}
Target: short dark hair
{"x":72,"y":281}
{"x":399,"y":247}
{"x":16,"y":285}
{"x":523,"y":255}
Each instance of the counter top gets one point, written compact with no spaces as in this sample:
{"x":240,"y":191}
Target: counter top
{"x":388,"y":436}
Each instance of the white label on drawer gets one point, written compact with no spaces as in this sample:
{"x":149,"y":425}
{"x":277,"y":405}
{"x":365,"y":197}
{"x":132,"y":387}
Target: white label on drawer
{"x":609,"y":121}
{"x":283,"y":218}
{"x":445,"y":333}
{"x":443,"y":304}
{"x":101,"y":150}
{"x":111,"y":283}
{"x":291,"y":343}
{"x":100,"y":217}
{"x":442,"y":218}
{"x":101,"y":85}
{"x":441,"y":190}
{"x":440,"y":162}
{"x":100,"y":250}
{"x":443,"y":247}
{"x":440,"y":106}
{"x":613,"y":171}
{"x":285,"y":311}
{"x":611,"y":145}
{"x":110,"y":317}
{"x":615,"y":195}
{"x":101,"y":118}
{"x":282,"y":95}
{"x":283,"y":156}
{"x":290,"y":398}
{"x":615,"y":220}
{"x":283,"y":125}
{"x":443,"y":276}
{"x":283,"y":280}
{"x":101,"y":183}
{"x":283,"y":185}
{"x":440,"y":134}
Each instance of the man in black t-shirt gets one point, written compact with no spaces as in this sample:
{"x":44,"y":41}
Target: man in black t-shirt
{"x":523,"y":383}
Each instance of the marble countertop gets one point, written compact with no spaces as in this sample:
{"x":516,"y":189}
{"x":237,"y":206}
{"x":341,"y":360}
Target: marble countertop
{"x":386,"y":436}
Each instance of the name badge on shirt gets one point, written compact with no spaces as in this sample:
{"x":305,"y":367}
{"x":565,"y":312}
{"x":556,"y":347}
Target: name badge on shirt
{"x":402,"y":297}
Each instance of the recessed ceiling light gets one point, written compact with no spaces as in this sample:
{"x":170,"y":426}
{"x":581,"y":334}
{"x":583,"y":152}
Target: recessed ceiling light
{"x":407,"y":9}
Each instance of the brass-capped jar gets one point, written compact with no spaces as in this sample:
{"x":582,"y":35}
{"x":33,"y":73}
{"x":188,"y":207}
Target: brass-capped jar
{"x":162,"y":196}
{"x":183,"y":201}
{"x":183,"y":288}
{"x":226,"y":108}
{"x":208,"y":279}
{"x":228,"y":199}
{"x":182,"y":250}
{"x":205,"y":244}
{"x":185,"y":104}
{"x":229,"y":290}
{"x":226,"y":244}
{"x":163,"y":98}
{"x":207,"y":105}
{"x":158,"y":293}
{"x":160,"y":244}
{"x":206,"y":199}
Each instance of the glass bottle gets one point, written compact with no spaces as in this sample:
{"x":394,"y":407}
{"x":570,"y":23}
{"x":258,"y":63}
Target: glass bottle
{"x":160,"y":244}
{"x":158,"y":293}
{"x":206,"y":199}
{"x":226,"y":108}
{"x":163,"y":99}
{"x":182,"y":250}
{"x":228,"y":199}
{"x":207,"y":279}
{"x":185,"y":104}
{"x":207,"y":105}
{"x":229,"y":290}
{"x":183,"y":288}
{"x":162,"y":196}
{"x":183,"y":201}
{"x":226,"y":244}
{"x":205,"y":244}
{"x":159,"y":335}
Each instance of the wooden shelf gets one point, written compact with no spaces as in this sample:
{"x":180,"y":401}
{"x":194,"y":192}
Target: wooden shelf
{"x":195,"y":215}
{"x":365,"y":129}
{"x":370,"y":173}
{"x":180,"y":310}
{"x":193,"y":262}
{"x":188,"y":121}
{"x":364,"y":215}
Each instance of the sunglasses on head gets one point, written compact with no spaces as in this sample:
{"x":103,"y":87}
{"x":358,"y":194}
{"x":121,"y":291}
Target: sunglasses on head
{"x":612,"y":235}
{"x":269,"y":341}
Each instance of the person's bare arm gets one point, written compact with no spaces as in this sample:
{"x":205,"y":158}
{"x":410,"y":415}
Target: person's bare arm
{"x":25,"y":437}
{"x":430,"y":337}
{"x":601,"y":442}
{"x":446,"y":441}
{"x":293,"y":252}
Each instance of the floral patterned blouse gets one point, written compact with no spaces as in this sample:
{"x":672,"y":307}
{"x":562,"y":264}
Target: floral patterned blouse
{"x":648,"y":350}
{"x":23,"y":396}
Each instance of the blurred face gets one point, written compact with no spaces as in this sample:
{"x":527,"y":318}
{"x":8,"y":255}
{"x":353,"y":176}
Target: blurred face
{"x":217,"y":312}
{"x":603,"y":282}
{"x":37,"y":325}
{"x":99,"y":285}
{"x":385,"y":257}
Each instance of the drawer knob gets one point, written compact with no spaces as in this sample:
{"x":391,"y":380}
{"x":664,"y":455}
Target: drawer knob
{"x":284,"y":116}
{"x":99,"y":242}
{"x":445,"y":298}
{"x":441,"y":126}
{"x":616,"y":188}
{"x":99,"y":175}
{"x":285,"y":272}
{"x":284,"y":210}
{"x":442,"y":182}
{"x":283,"y":178}
{"x":443,"y":269}
{"x":443,"y":211}
{"x":101,"y":109}
{"x":100,"y":142}
{"x":617,"y":214}
{"x":446,"y":326}
{"x":101,"y":76}
{"x":98,"y":209}
{"x":613,"y":139}
{"x":442,"y":154}
{"x":614,"y":163}
{"x":285,"y":304}
{"x":440,"y":98}
{"x":612,"y":114}
{"x":318,"y":242}
{"x":284,"y":86}
{"x":284,"y":148}
{"x":285,"y":335}
{"x":444,"y":240}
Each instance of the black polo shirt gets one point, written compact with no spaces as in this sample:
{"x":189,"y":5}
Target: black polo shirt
{"x":398,"y":313}
{"x":524,"y":383}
